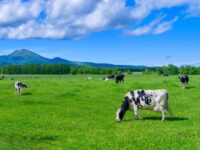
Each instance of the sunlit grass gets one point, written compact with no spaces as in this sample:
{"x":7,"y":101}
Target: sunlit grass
{"x":71,"y":112}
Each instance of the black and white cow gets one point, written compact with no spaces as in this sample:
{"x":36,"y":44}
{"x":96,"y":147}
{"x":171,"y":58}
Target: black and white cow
{"x":184,"y":79}
{"x":119,"y":78}
{"x":109,"y":77}
{"x":2,"y":77}
{"x":19,"y":86}
{"x":144,"y":99}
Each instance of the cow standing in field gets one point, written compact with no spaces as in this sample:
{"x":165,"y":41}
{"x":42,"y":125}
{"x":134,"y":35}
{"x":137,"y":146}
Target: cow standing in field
{"x":89,"y":78}
{"x":109,"y":77}
{"x":144,"y":99}
{"x":19,"y":86}
{"x":2,"y":77}
{"x":184,"y":79}
{"x":119,"y":78}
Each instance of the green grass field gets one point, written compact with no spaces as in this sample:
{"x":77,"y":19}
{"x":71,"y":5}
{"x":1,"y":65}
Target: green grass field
{"x":71,"y":112}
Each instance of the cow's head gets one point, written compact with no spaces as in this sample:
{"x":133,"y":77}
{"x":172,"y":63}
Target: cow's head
{"x":121,"y":111}
{"x":24,"y":85}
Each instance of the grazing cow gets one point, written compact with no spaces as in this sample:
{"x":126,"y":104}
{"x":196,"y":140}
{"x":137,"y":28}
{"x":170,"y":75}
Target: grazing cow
{"x":19,"y":86}
{"x":111,"y":76}
{"x":144,"y":99}
{"x":165,"y":75}
{"x":184,"y":79}
{"x":108,"y":77}
{"x":119,"y":78}
{"x":2,"y":77}
{"x":89,"y":78}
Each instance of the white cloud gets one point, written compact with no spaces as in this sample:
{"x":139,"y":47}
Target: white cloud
{"x":147,"y":29}
{"x":15,"y":12}
{"x":164,"y":26}
{"x":76,"y":18}
{"x":157,"y":26}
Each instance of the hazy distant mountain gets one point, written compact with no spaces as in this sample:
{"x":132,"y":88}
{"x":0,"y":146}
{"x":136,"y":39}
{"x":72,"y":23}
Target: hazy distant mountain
{"x":20,"y":57}
{"x":197,"y":64}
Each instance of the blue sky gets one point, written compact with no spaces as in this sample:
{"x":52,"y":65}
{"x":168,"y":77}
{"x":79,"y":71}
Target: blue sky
{"x":133,"y":32}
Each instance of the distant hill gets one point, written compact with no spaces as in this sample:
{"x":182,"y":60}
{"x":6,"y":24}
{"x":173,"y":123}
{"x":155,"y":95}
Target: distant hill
{"x":22,"y":57}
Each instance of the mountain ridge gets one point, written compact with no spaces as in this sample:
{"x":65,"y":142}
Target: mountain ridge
{"x":24,"y":56}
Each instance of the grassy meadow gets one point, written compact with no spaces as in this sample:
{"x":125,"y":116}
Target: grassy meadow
{"x":71,"y":112}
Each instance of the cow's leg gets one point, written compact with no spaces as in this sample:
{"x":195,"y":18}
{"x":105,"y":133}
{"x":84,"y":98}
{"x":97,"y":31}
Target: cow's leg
{"x":169,"y":111}
{"x":136,"y":114}
{"x":185,"y":85}
{"x":16,"y":90}
{"x":163,"y":110}
{"x":20,"y":90}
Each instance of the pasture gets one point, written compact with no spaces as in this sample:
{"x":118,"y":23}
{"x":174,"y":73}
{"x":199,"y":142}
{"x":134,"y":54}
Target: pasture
{"x":71,"y":112}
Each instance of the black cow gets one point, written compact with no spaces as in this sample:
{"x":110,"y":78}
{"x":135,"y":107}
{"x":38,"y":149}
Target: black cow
{"x":119,"y":78}
{"x":184,"y":79}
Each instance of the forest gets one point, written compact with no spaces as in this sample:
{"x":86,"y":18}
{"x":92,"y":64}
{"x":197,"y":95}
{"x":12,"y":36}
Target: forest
{"x":74,"y":70}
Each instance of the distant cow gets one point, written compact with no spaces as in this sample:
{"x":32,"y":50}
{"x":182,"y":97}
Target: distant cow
{"x":111,"y":76}
{"x":89,"y":78}
{"x":184,"y":79}
{"x":2,"y":77}
{"x":165,"y":75}
{"x":19,"y":86}
{"x":119,"y":78}
{"x":144,"y":99}
{"x":106,"y":78}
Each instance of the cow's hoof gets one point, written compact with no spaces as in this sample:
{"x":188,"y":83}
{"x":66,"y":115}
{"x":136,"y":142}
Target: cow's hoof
{"x":117,"y":120}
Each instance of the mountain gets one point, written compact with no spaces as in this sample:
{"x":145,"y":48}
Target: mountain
{"x":196,"y":65}
{"x":23,"y":56}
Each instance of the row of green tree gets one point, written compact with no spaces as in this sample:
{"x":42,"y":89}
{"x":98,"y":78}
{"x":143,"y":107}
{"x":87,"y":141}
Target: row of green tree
{"x":173,"y":70}
{"x":65,"y":69}
{"x":36,"y":69}
{"x":58,"y":69}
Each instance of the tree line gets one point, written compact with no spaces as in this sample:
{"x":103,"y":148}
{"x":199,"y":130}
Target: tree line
{"x":36,"y":69}
{"x":66,"y":69}
{"x":58,"y":69}
{"x":173,"y":70}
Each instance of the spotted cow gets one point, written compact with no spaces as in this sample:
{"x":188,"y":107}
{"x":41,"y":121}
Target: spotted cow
{"x":184,"y":79}
{"x":144,"y":99}
{"x":19,"y":86}
{"x":109,"y":77}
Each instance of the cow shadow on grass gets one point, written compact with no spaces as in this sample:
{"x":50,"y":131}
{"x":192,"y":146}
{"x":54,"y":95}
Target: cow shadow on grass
{"x":190,"y":87}
{"x":158,"y":118}
{"x":27,"y":93}
{"x":167,"y":118}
